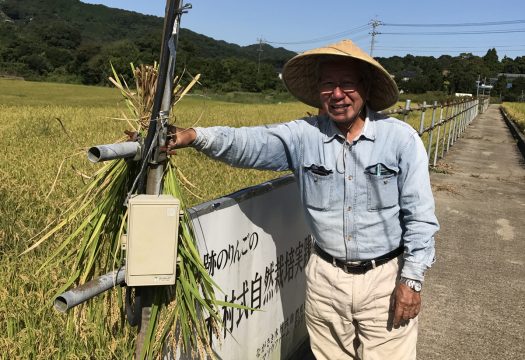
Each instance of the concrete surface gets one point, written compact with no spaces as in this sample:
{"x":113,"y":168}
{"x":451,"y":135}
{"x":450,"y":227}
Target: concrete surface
{"x":474,"y":296}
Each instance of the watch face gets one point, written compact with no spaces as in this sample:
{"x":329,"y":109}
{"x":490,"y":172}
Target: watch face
{"x":413,"y":284}
{"x":416,"y":285}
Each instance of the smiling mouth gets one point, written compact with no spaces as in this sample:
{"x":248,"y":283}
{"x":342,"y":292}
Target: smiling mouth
{"x":339,"y":108}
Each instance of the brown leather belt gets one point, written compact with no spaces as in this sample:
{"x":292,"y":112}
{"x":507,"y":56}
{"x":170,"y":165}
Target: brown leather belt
{"x":358,"y":267}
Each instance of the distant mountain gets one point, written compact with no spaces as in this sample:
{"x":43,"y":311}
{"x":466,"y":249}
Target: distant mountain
{"x":68,"y":40}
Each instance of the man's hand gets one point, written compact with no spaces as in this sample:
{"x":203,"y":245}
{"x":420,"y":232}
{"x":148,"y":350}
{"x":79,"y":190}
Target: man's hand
{"x":132,"y":135}
{"x":179,"y":138}
{"x":407,"y":304}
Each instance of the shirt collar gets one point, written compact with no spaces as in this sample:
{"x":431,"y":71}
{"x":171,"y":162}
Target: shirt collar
{"x":368,"y":131}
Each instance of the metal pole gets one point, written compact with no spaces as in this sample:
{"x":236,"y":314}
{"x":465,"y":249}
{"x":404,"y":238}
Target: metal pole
{"x":406,"y":110}
{"x":447,"y":105}
{"x":455,"y":127}
{"x":456,"y":124}
{"x":375,"y":23}
{"x":461,"y":119}
{"x":451,"y":126}
{"x":422,"y":118}
{"x":158,"y":127}
{"x":467,"y":116}
{"x":437,"y":137}
{"x":431,"y":129}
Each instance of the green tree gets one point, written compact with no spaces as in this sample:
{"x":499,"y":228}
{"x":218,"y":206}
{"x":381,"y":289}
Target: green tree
{"x":119,"y":54}
{"x":491,"y":61}
{"x":509,"y":66}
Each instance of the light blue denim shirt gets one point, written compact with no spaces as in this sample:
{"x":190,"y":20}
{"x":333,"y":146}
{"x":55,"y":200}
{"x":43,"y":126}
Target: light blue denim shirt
{"x":361,"y":199}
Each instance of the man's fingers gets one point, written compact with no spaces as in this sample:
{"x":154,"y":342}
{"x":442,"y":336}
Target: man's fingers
{"x":132,"y":135}
{"x":168,"y":150}
{"x":416,"y":310}
{"x":404,"y":312}
{"x":398,"y":314}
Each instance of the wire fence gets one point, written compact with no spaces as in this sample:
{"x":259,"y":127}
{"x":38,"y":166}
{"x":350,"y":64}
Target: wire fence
{"x":440,"y":125}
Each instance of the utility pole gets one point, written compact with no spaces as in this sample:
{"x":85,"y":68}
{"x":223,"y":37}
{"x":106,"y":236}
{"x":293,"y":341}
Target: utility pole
{"x":374,"y":23}
{"x":260,"y":50}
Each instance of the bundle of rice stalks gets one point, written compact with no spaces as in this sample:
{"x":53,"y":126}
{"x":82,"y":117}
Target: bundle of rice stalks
{"x":186,"y":314}
{"x":140,"y":100}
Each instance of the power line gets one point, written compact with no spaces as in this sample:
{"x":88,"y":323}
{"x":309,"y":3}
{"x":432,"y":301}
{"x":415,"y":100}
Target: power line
{"x":490,"y":23}
{"x":448,"y":48}
{"x":460,"y":47}
{"x":354,"y":39}
{"x":441,"y":51}
{"x":456,"y":32}
{"x":323,"y":38}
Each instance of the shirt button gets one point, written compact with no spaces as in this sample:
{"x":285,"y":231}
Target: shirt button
{"x":349,"y":237}
{"x":349,"y":208}
{"x":350,"y":177}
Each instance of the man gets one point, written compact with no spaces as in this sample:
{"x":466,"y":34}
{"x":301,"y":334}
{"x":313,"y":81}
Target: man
{"x":366,"y":194}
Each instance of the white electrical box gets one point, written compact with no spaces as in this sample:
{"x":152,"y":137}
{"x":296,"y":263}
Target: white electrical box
{"x":151,"y":241}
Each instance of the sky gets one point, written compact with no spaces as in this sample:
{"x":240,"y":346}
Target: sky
{"x":299,"y":25}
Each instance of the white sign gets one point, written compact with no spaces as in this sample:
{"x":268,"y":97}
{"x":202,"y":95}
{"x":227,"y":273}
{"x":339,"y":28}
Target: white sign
{"x":255,"y":244}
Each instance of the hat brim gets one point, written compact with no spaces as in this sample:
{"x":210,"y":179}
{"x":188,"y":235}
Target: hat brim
{"x":300,"y":75}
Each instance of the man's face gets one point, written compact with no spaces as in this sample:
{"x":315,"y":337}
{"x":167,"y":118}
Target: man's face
{"x":342,"y":91}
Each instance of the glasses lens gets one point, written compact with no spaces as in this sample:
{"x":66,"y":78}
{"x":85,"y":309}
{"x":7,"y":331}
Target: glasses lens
{"x":326,"y":87}
{"x":346,"y":86}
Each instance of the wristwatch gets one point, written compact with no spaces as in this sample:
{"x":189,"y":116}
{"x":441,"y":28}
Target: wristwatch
{"x":415,"y":285}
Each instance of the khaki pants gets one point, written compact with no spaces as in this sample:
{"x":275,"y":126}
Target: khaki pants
{"x":348,"y":315}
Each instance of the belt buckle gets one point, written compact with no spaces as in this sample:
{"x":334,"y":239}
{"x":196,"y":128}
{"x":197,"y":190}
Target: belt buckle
{"x":346,"y":269}
{"x":358,"y":267}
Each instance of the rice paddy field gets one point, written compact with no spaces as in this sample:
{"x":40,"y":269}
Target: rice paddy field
{"x":44,"y":132}
{"x":516,"y":111}
{"x":45,"y":128}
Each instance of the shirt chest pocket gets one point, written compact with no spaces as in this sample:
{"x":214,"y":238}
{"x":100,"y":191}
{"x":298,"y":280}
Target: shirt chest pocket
{"x":318,"y":183}
{"x":382,"y":190}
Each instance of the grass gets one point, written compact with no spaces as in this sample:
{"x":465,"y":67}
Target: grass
{"x":516,"y":111}
{"x":45,"y":127}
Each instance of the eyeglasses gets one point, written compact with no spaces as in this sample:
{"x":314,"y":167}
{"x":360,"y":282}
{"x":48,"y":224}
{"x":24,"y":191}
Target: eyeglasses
{"x":328,"y":87}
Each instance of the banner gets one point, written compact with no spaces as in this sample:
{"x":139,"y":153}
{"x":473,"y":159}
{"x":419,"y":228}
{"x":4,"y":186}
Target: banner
{"x":255,"y":244}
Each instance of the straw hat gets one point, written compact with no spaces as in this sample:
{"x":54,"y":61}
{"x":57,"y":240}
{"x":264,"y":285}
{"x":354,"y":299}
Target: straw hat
{"x":300,"y":75}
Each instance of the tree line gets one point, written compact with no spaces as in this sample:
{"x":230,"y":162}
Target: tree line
{"x":69,"y":41}
{"x":453,"y":74}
